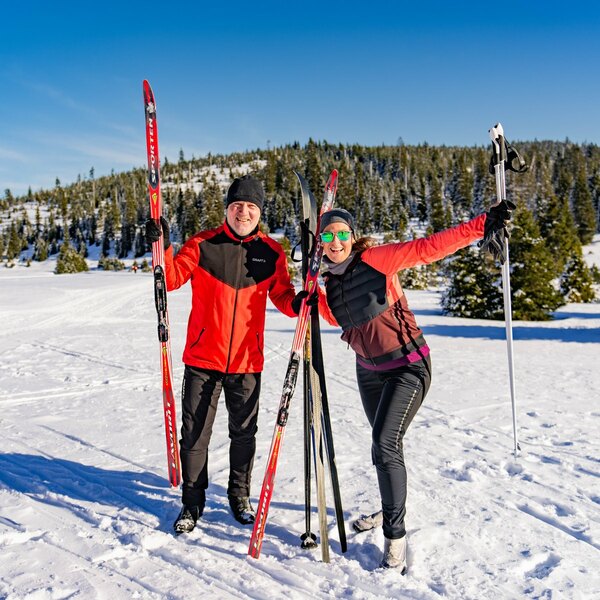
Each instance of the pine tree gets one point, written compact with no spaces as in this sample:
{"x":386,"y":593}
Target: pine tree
{"x":362,"y":208}
{"x":437,"y":214}
{"x":461,"y":185}
{"x":583,"y":208}
{"x":484,"y":186}
{"x":576,"y":284}
{"x":397,"y":210}
{"x":212,"y":198}
{"x":8,"y":198}
{"x":532,"y":271}
{"x":556,"y":223}
{"x":270,"y":175}
{"x":189,"y":209}
{"x":14,"y":244}
{"x":314,"y":171}
{"x":40,"y":252}
{"x":346,"y":195}
{"x":69,"y":260}
{"x":475,"y":287}
{"x":416,"y":278}
{"x":378,"y":205}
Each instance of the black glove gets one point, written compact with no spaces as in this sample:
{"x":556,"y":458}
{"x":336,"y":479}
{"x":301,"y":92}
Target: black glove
{"x":312,"y":300}
{"x":494,"y":230}
{"x":153,"y":232}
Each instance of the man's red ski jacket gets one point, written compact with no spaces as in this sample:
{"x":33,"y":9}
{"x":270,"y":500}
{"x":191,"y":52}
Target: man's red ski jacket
{"x":231,"y":279}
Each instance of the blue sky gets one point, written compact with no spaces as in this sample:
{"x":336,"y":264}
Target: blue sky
{"x":233,"y":76}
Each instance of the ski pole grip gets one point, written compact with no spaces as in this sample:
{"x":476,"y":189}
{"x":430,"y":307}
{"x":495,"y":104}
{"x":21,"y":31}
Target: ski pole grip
{"x":498,"y":144}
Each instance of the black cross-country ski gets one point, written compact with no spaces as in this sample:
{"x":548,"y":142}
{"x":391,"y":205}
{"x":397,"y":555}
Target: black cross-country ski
{"x":318,"y":368}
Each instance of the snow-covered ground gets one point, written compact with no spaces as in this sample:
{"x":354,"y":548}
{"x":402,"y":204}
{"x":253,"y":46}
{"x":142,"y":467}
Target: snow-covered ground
{"x":86,"y":511}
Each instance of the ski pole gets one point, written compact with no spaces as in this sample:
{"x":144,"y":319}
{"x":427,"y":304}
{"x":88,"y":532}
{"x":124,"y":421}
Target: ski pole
{"x":307,"y":227}
{"x":308,"y":538}
{"x":499,"y":157}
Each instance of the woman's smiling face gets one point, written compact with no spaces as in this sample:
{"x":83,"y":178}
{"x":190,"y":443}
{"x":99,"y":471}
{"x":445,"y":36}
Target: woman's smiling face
{"x":337,"y":251}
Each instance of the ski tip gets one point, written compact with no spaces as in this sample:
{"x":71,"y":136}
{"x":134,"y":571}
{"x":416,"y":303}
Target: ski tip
{"x":332,"y":181}
{"x":301,"y":179}
{"x":148,"y":93}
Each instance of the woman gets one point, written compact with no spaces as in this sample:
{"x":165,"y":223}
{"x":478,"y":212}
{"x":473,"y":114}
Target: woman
{"x":393,"y":367}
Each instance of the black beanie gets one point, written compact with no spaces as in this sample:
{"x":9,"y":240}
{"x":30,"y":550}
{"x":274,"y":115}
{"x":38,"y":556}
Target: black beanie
{"x":337,"y":215}
{"x":246,"y":189}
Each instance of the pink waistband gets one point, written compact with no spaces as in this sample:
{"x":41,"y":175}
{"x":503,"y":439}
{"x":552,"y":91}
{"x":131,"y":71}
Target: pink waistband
{"x":413,"y":357}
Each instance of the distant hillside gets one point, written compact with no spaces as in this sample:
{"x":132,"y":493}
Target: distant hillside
{"x":390,"y":189}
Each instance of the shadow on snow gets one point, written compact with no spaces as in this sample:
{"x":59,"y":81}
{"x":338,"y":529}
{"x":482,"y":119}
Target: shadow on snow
{"x":81,"y":488}
{"x":67,"y":484}
{"x":520,"y":333}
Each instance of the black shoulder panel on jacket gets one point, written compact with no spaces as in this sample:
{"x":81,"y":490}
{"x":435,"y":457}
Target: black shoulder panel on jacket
{"x":237,"y":264}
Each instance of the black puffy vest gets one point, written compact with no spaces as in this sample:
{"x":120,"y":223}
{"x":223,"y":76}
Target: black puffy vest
{"x":377,"y":331}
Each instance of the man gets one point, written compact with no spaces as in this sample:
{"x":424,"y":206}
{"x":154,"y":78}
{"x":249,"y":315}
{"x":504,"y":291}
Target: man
{"x":232,"y":270}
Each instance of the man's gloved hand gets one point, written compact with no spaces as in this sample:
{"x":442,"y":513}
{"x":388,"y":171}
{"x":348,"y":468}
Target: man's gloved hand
{"x":312,"y":300}
{"x":494,"y":230}
{"x":153,"y":232}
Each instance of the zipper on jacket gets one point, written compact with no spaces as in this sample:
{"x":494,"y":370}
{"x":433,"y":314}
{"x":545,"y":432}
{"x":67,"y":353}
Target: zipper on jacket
{"x":258,"y":345}
{"x":198,"y":338}
{"x":237,"y":291}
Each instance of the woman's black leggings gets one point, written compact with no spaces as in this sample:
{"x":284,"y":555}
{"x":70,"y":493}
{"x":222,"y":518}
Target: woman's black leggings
{"x":391,"y":399}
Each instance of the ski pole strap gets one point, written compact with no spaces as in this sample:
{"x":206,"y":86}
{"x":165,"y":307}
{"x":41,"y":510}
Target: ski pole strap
{"x":293,"y":253}
{"x":308,"y":237}
{"x":306,"y":243}
{"x":514,"y":161}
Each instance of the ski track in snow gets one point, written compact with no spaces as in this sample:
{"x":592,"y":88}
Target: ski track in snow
{"x":86,"y":510}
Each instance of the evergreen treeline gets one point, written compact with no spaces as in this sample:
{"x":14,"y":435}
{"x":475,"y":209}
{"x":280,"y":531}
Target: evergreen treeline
{"x":392,"y":190}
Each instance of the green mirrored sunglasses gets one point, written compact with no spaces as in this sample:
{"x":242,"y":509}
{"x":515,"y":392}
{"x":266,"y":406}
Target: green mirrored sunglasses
{"x":343,"y":236}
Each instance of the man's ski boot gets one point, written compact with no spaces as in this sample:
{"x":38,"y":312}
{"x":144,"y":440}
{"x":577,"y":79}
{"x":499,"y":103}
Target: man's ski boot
{"x":242,"y":509}
{"x":186,"y":521}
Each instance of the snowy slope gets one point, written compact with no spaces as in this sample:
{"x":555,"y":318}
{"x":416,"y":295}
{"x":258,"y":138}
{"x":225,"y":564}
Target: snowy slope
{"x":86,"y":511}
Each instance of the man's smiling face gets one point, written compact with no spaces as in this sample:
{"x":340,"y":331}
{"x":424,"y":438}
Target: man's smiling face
{"x":243,"y":217}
